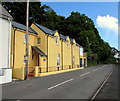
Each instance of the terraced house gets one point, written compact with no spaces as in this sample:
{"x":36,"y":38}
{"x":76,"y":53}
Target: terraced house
{"x":49,"y":51}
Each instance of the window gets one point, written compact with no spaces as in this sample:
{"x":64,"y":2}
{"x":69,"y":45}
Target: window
{"x":68,"y":44}
{"x":58,"y":60}
{"x":38,"y":40}
{"x":56,"y":40}
{"x":24,"y":38}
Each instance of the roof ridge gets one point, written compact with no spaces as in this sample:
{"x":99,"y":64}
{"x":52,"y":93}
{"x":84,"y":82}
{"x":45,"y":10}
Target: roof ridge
{"x":23,"y":27}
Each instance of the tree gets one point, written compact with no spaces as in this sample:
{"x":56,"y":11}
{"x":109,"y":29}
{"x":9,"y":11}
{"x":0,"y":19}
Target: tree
{"x":77,"y":25}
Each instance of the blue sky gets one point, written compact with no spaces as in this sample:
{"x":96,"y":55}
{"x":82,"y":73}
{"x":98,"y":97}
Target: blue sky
{"x":104,"y":15}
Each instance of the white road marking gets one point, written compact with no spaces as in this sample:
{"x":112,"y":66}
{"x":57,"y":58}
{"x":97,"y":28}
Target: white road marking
{"x":102,"y":67}
{"x":82,"y":75}
{"x":99,"y":68}
{"x":60,"y":84}
{"x":85,"y":74}
{"x":95,"y":70}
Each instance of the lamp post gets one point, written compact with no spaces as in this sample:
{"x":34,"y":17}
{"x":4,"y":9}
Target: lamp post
{"x":26,"y":57}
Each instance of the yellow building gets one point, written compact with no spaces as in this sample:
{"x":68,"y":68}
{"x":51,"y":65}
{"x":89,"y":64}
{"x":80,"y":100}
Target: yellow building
{"x":18,"y":50}
{"x":48,"y":51}
{"x":66,"y":52}
{"x":51,"y":45}
{"x":75,"y":53}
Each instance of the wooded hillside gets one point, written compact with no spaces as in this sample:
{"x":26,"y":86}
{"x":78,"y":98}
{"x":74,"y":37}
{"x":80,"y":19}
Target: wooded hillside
{"x":77,"y":25}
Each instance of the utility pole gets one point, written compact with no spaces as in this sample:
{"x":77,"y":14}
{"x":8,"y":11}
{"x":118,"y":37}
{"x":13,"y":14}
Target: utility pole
{"x":26,"y":57}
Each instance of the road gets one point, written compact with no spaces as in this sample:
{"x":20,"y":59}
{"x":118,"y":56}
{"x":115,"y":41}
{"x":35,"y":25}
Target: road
{"x":78,"y":84}
{"x":110,"y":90}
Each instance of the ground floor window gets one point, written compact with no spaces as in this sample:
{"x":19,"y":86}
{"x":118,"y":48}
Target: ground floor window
{"x":58,"y":60}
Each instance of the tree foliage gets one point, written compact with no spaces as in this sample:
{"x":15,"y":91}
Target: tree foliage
{"x":78,"y":26}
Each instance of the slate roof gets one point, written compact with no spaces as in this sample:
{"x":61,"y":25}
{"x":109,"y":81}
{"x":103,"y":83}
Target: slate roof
{"x":22,"y":27}
{"x":46,"y":30}
{"x":62,"y":37}
{"x":4,"y":14}
{"x":78,"y":45}
{"x":51,"y":32}
{"x":40,"y":52}
{"x":71,"y":40}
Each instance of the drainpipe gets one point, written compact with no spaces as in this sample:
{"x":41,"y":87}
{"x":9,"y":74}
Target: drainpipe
{"x":14,"y":47}
{"x":62,"y":52}
{"x":47,"y":55}
{"x":72,"y":54}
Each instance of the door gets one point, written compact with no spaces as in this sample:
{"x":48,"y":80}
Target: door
{"x":80,"y":62}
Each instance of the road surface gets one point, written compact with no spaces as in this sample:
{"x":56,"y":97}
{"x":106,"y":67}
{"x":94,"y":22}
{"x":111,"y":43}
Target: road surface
{"x":78,"y":84}
{"x":110,"y":90}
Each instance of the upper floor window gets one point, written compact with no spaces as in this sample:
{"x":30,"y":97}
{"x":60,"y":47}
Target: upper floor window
{"x":68,"y":44}
{"x":56,"y":39}
{"x":38,"y":40}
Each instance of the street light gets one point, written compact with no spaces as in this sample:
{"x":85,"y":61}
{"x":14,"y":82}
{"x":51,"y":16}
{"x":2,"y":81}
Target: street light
{"x":27,"y":23}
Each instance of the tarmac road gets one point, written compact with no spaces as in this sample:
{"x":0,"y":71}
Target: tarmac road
{"x":110,"y":91}
{"x":78,"y":84}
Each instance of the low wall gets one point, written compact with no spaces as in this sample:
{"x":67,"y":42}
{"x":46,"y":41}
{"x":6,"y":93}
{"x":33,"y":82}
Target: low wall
{"x":19,"y":73}
{"x":6,"y":75}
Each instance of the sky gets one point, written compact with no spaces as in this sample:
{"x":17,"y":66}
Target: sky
{"x":104,"y":15}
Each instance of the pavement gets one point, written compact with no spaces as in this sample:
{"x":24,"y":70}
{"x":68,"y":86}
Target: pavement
{"x":110,"y":90}
{"x":77,"y":84}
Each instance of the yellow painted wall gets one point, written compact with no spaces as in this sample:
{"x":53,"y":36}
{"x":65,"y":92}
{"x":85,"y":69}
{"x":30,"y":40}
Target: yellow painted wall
{"x":18,"y":51}
{"x":43,"y":37}
{"x":43,"y":64}
{"x":20,"y":46}
{"x":82,"y":57}
{"x":53,"y":51}
{"x":76,"y":55}
{"x":66,"y":46}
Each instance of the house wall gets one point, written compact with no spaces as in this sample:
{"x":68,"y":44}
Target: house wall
{"x":53,"y":51}
{"x":82,"y":57}
{"x":43,"y":64}
{"x":43,"y":38}
{"x":75,"y":54}
{"x":18,"y":51}
{"x":66,"y":53}
{"x":5,"y":36}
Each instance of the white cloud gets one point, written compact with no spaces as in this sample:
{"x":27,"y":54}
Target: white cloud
{"x":109,"y":23}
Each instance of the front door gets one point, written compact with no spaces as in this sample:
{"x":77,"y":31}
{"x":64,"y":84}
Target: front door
{"x":80,"y":62}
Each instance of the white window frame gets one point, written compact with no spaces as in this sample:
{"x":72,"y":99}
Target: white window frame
{"x":58,"y":60}
{"x":39,"y":42}
{"x":56,"y":40}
